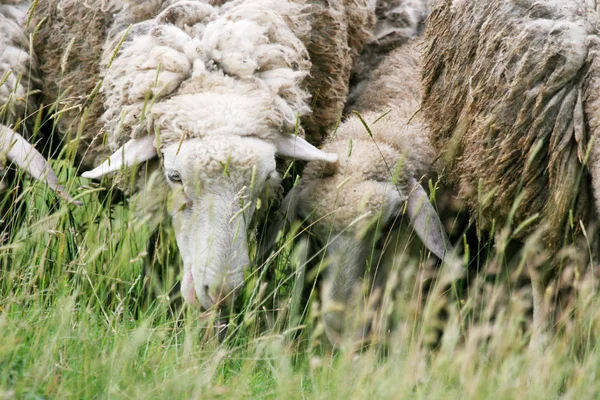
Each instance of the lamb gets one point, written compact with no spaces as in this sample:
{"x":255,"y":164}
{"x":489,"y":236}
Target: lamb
{"x":384,"y":151}
{"x":510,"y":97}
{"x":215,"y":93}
{"x":18,"y":78}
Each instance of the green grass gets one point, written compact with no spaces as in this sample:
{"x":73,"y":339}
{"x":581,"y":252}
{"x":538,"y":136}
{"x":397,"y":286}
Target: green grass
{"x":77,"y":320}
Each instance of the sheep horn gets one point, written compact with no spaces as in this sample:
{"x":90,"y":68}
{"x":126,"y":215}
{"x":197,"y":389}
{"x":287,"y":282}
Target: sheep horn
{"x":131,"y":153}
{"x":22,"y":153}
{"x":293,"y":146}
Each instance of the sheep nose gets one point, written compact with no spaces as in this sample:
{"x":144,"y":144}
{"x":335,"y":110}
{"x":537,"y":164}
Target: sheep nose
{"x":220,"y":296}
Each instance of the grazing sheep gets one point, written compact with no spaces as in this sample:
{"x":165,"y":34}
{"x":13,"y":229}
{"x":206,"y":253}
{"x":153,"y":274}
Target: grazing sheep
{"x":17,"y":95}
{"x":384,"y":152}
{"x":215,"y":93}
{"x":510,"y":97}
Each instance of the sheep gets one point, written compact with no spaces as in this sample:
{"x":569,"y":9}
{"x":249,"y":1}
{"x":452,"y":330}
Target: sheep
{"x":215,"y":93}
{"x":509,"y":95}
{"x":384,"y":151}
{"x":73,"y":36}
{"x":18,"y":78}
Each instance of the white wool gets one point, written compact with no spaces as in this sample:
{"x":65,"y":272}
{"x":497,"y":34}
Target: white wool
{"x":177,"y":40}
{"x":198,"y":67}
{"x":17,"y":67}
{"x":215,"y":114}
{"x":233,"y":45}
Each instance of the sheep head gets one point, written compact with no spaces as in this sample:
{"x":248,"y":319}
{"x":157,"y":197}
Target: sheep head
{"x":217,"y":184}
{"x":214,"y":92}
{"x":370,"y":188}
{"x":351,"y":209}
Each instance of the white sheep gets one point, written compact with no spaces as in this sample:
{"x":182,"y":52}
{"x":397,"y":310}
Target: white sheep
{"x":18,"y":81}
{"x":384,"y":152}
{"x":215,"y":93}
{"x":511,"y":98}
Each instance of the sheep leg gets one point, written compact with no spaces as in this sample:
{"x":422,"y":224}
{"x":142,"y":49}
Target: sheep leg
{"x":540,"y":328}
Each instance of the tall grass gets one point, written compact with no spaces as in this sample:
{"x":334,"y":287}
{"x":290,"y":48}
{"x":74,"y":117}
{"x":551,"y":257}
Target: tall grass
{"x":82,"y":316}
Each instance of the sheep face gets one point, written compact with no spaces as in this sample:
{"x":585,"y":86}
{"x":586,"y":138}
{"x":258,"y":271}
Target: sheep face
{"x":216,"y":185}
{"x":217,"y":181}
{"x":351,"y":212}
{"x":347,"y":216}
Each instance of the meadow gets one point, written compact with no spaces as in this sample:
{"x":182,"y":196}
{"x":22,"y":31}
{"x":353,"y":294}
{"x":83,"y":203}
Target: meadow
{"x":89,"y":308}
{"x":87,"y":311}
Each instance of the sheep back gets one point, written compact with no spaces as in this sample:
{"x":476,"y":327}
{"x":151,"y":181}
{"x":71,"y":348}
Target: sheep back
{"x":339,"y":29}
{"x":69,"y":41}
{"x":398,"y":21}
{"x":73,"y":37}
{"x":504,"y":86}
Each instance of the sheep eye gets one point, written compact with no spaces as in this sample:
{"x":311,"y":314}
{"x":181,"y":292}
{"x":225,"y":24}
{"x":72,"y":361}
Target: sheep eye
{"x":174,"y":177}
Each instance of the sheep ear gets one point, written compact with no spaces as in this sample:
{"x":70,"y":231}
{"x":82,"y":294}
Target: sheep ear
{"x":131,"y":153}
{"x":292,"y":146}
{"x":25,"y":156}
{"x":426,"y":222}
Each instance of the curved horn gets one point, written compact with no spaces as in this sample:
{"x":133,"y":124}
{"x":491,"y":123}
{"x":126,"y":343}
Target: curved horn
{"x":23,"y":154}
{"x":131,"y":153}
{"x":292,"y":146}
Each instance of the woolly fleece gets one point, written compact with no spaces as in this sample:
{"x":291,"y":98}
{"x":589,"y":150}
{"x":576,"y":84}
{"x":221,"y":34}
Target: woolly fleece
{"x":18,"y":77}
{"x":73,"y":40}
{"x":510,"y":96}
{"x":365,"y":175}
{"x":398,"y":21}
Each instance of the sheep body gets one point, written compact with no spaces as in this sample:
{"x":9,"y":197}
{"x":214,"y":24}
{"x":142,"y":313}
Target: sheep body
{"x":509,"y":97}
{"x":398,"y":21}
{"x":370,"y":162}
{"x":350,"y":207}
{"x":255,"y":77}
{"x":332,"y":32}
{"x":387,"y":76}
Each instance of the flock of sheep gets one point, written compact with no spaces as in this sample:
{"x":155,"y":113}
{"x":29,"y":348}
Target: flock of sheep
{"x":212,"y":95}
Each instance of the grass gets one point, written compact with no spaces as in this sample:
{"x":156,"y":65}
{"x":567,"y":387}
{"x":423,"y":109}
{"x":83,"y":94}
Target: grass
{"x":78,"y":321}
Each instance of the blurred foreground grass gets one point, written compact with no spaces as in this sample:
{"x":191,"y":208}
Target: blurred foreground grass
{"x":81,"y":316}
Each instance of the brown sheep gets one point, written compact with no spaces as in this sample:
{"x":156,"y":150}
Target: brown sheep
{"x":510,"y":96}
